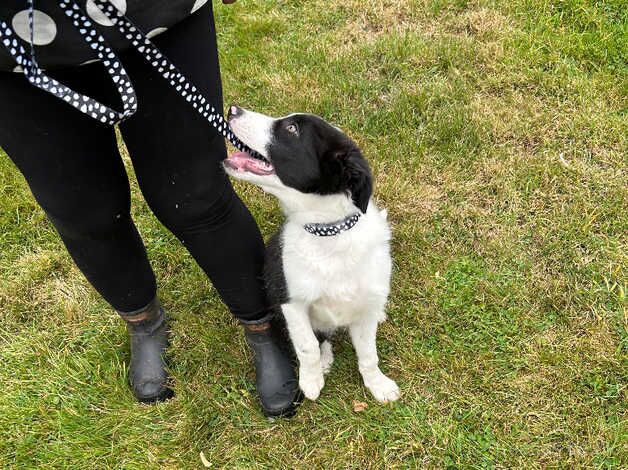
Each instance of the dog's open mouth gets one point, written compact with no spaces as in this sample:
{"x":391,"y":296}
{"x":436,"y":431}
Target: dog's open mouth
{"x":242,"y":161}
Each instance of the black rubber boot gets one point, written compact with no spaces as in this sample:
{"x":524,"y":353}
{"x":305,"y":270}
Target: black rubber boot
{"x":149,"y":337}
{"x":275,"y":376}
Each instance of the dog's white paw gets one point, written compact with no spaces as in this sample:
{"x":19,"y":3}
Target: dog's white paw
{"x":327,"y":356}
{"x":311,"y":383}
{"x":383,"y":389}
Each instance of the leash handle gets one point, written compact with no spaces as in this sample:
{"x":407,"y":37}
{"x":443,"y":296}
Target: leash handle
{"x":38,"y":78}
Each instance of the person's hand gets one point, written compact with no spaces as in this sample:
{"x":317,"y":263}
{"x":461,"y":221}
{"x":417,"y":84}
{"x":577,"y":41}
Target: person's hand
{"x":228,"y":2}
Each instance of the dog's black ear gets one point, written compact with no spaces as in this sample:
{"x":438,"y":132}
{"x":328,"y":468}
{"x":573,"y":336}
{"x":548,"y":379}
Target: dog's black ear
{"x":357,"y":178}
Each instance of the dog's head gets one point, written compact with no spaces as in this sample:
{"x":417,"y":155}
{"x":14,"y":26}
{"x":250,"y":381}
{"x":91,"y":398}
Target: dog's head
{"x":305,"y":154}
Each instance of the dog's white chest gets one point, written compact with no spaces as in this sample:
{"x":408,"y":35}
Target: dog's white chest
{"x":341,"y":305}
{"x":340,"y":278}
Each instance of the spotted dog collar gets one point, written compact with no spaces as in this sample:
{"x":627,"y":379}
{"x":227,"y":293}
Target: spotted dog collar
{"x":333,"y":228}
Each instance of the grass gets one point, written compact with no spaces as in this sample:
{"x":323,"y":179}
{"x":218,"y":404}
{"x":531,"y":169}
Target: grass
{"x":498,"y":134}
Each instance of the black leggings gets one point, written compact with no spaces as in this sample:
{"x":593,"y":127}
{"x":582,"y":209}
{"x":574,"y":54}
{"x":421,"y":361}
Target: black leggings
{"x":75,"y":172}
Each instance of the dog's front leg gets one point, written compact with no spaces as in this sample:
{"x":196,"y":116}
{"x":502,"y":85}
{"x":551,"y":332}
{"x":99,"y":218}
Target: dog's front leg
{"x":363,"y":336}
{"x":305,"y":343}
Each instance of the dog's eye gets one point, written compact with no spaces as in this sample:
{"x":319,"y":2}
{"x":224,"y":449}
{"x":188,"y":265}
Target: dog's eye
{"x":293,"y":129}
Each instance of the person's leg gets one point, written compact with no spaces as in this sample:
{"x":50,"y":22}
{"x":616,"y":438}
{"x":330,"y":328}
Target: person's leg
{"x":75,"y":172}
{"x":177,"y":155}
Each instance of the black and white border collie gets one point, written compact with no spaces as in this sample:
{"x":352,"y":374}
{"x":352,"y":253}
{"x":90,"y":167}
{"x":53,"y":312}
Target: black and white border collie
{"x":329,"y":266}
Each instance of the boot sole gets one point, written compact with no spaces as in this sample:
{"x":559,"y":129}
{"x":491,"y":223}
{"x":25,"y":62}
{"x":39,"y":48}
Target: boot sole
{"x":164,"y":395}
{"x":288,"y":412}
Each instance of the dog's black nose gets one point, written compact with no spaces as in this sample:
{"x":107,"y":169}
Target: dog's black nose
{"x":234,"y":111}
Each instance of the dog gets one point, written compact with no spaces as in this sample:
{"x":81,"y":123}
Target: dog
{"x":329,"y":266}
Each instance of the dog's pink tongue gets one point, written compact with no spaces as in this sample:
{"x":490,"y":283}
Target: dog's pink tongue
{"x":242,"y":161}
{"x":238,"y":159}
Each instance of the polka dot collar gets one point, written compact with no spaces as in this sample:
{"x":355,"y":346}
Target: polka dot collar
{"x":333,"y":228}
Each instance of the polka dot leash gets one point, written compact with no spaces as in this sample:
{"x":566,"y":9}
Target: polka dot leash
{"x":333,"y":228}
{"x":167,"y":70}
{"x":115,"y":69}
{"x":83,"y":103}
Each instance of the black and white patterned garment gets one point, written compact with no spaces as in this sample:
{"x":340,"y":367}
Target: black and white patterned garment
{"x":58,"y":42}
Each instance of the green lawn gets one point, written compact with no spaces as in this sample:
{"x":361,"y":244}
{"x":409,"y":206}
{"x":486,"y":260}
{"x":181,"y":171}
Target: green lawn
{"x":498,"y":134}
